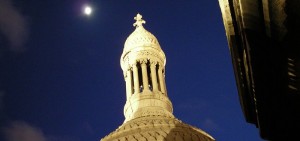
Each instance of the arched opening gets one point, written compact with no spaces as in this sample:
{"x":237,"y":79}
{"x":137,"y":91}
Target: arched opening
{"x":157,"y":76}
{"x":140,"y":76}
{"x":131,"y":82}
{"x":150,"y":85}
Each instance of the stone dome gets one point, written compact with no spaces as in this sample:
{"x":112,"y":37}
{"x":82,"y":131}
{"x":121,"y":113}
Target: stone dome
{"x":157,"y":128}
{"x":140,"y":37}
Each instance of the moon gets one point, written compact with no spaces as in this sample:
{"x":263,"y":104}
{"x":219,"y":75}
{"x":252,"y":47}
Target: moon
{"x":87,"y":10}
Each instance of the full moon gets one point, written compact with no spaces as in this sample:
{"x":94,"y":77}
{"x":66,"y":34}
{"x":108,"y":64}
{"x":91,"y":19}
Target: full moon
{"x":88,"y":10}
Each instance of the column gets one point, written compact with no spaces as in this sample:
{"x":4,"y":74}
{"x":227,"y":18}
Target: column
{"x":165,"y":86}
{"x":153,"y":76}
{"x":161,"y":79}
{"x":145,"y":76}
{"x":128,"y":84}
{"x":136,"y":79}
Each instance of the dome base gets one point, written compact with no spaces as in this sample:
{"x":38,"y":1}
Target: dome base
{"x":157,"y":128}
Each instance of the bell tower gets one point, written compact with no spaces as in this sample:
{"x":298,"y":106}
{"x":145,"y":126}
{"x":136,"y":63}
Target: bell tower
{"x":148,"y":110}
{"x":143,"y":63}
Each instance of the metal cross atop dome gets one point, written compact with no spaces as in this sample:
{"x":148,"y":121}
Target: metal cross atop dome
{"x":139,"y":21}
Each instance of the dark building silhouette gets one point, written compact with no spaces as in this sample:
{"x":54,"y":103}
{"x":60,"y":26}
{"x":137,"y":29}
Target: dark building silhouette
{"x":264,"y":42}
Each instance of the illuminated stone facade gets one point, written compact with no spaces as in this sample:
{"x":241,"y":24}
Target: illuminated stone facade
{"x":148,"y":110}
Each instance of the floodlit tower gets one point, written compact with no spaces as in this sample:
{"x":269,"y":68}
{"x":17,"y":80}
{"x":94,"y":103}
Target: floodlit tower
{"x":148,"y":110}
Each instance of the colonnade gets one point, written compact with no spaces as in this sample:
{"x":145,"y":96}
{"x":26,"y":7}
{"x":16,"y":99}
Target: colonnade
{"x":145,"y":76}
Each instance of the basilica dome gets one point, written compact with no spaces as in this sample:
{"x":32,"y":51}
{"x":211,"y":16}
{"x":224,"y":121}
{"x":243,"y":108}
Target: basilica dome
{"x":156,"y":128}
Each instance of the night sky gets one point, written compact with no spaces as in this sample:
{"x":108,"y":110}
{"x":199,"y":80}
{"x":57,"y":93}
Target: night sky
{"x":60,"y":74}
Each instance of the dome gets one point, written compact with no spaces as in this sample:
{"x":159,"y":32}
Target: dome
{"x":140,"y":38}
{"x":157,"y":128}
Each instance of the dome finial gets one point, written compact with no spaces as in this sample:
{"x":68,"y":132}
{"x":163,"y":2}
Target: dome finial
{"x":139,"y":21}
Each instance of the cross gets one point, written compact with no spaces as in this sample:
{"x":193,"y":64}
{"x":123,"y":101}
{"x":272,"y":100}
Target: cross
{"x":139,"y":21}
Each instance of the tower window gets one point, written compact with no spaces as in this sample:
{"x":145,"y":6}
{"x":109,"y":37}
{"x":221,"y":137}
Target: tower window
{"x":157,"y":76}
{"x":131,"y":83}
{"x":149,"y":76}
{"x":140,"y":76}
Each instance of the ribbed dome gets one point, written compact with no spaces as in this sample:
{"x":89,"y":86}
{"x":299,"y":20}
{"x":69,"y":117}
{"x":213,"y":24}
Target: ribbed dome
{"x":156,"y":128}
{"x":140,"y":38}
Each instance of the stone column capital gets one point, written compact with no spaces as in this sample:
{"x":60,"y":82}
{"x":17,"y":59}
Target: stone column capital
{"x":143,"y":61}
{"x":153,"y":63}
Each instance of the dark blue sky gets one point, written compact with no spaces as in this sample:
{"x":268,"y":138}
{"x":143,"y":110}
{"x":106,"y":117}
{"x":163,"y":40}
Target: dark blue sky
{"x":64,"y":82}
